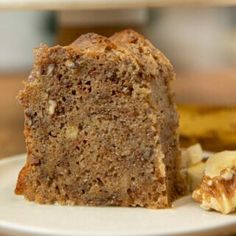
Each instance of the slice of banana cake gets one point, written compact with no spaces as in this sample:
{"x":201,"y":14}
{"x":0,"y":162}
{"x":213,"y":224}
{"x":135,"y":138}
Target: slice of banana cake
{"x":101,"y":125}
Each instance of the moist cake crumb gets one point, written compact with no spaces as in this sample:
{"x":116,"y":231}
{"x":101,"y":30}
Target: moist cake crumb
{"x":101,"y":125}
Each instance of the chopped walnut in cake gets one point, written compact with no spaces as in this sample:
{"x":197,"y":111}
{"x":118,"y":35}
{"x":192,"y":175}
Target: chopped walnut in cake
{"x":52,"y":106}
{"x":217,"y":190}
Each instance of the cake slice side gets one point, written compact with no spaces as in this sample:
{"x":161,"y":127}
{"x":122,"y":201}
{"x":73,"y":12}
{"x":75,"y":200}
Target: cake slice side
{"x":161,"y":73}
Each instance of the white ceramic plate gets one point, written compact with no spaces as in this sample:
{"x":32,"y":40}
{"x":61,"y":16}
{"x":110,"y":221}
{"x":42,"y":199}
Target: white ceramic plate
{"x":20,"y":217}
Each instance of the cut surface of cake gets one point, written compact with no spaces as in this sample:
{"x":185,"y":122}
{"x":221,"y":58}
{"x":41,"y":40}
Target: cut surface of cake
{"x":101,"y":125}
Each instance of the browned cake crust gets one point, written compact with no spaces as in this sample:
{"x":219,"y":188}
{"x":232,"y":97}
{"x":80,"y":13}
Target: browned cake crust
{"x":100,"y":125}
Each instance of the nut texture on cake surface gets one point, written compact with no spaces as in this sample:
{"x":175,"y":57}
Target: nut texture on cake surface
{"x":101,"y":125}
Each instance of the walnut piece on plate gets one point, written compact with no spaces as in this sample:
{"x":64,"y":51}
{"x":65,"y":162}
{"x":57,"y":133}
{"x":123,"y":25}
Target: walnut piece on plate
{"x":217,"y":190}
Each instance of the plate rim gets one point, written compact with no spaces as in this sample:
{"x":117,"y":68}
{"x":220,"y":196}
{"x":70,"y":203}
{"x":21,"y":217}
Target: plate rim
{"x":13,"y":228}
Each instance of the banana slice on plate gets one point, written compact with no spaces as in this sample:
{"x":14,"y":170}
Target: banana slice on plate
{"x":193,"y":165}
{"x":191,"y":155}
{"x":195,"y":174}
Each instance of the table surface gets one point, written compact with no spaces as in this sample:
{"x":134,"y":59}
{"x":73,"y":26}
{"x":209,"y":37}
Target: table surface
{"x":11,"y":116}
{"x":105,"y":4}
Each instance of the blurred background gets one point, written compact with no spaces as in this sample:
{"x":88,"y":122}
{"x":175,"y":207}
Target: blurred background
{"x":200,"y":41}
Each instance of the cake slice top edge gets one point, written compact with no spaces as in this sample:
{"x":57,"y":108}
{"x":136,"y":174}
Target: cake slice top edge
{"x":89,"y":40}
{"x":129,"y":36}
{"x":92,"y":43}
